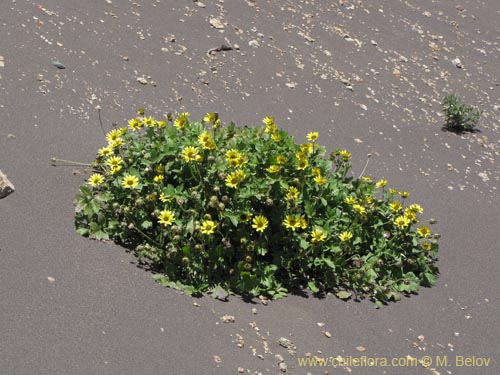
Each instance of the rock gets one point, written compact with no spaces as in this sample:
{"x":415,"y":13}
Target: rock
{"x":199,"y":4}
{"x":215,"y":22}
{"x":282,"y":366}
{"x":58,"y":65}
{"x":457,"y":63}
{"x":6,"y":187}
{"x":2,"y":64}
{"x":142,"y":80}
{"x":227,"y":318}
{"x":253,"y":43}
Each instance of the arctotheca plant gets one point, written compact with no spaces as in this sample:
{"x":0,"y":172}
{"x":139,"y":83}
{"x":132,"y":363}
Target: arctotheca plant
{"x":250,"y":210}
{"x":459,"y":116}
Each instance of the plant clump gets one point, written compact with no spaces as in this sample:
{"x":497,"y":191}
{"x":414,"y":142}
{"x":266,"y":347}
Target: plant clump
{"x":459,"y":117}
{"x":249,"y":210}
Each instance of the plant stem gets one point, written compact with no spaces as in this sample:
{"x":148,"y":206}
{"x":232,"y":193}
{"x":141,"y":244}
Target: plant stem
{"x":55,"y":160}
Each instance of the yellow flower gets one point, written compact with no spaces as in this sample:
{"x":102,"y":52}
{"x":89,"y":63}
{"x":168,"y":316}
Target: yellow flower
{"x":105,"y":151}
{"x":190,"y":153}
{"x":291,"y":222}
{"x":116,"y":143}
{"x":129,"y":181}
{"x":350,"y":200}
{"x":404,"y":194}
{"x":149,"y":122}
{"x":123,"y":130}
{"x":159,"y":169}
{"x":235,"y":178}
{"x":345,"y":236}
{"x":367,"y":199}
{"x":113,"y":135}
{"x":302,"y":222}
{"x":317,"y":235}
{"x":316,"y":171}
{"x":320,"y":180}
{"x":307,"y":148}
{"x":381,"y":183}
{"x":245,"y":217}
{"x":273,"y":169}
{"x":206,"y":141}
{"x":208,"y":227}
{"x":426,"y":246}
{"x":411,"y":216}
{"x":424,"y":231}
{"x":181,"y":120}
{"x":235,"y":158}
{"x":166,"y":217}
{"x":114,"y":161}
{"x":393,"y":191}
{"x":270,"y":125}
{"x":312,"y":136}
{"x":115,"y":170}
{"x":367,"y":179}
{"x":346,"y":155}
{"x":359,"y":208}
{"x":161,"y":124}
{"x":402,"y":221}
{"x":260,"y":223}
{"x":302,"y":164}
{"x":292,"y":194}
{"x":301,"y":155}
{"x":96,"y":179}
{"x":210,"y":117}
{"x":276,"y":137}
{"x":280,"y":159}
{"x":135,"y":124}
{"x":158,"y":178}
{"x":395,"y":206}
{"x":415,"y":208}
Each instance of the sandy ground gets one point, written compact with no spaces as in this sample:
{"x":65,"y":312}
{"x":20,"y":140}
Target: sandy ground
{"x":368,"y":75}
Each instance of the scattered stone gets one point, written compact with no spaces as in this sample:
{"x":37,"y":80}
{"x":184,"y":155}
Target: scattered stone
{"x":427,"y":13}
{"x":216,"y":23}
{"x":217,"y":359}
{"x":396,"y":73}
{"x":227,"y":319}
{"x":254,"y":311}
{"x":51,"y":279}
{"x":373,"y":43}
{"x":2,"y":64}
{"x":457,"y":63}
{"x":327,"y":334}
{"x":288,"y":344}
{"x":58,"y":65}
{"x":125,"y":58}
{"x":241,"y":370}
{"x":6,"y":187}
{"x":360,"y":348}
{"x":253,"y":43}
{"x":199,"y":4}
{"x":282,"y":366}
{"x":421,"y":338}
{"x":142,"y":80}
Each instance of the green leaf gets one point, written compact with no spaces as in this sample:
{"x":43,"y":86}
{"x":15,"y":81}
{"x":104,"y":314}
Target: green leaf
{"x":219,"y":293}
{"x":146,"y":224}
{"x":312,"y":286}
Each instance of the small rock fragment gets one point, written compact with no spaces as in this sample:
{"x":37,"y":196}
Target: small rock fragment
{"x":457,"y":63}
{"x":253,"y":43}
{"x":2,"y":64}
{"x":51,"y":279}
{"x":58,"y":65}
{"x":227,"y":319}
{"x":282,"y":366}
{"x":360,"y":348}
{"x":217,"y":359}
{"x":6,"y":187}
{"x":142,"y":80}
{"x":216,"y":23}
{"x":241,"y":370}
{"x":421,"y":338}
{"x":327,"y":334}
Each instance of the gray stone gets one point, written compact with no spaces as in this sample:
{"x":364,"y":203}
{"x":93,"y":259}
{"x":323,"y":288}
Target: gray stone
{"x":6,"y":187}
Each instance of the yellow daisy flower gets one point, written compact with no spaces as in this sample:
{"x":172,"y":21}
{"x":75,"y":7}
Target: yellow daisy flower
{"x":273,"y":169}
{"x":415,"y":208}
{"x":158,"y":178}
{"x":115,"y":170}
{"x":235,"y":178}
{"x":260,"y":223}
{"x":307,"y":148}
{"x":166,"y":217}
{"x":367,"y":179}
{"x":426,"y":246}
{"x":161,"y":124}
{"x":302,"y":164}
{"x":130,"y":182}
{"x":114,"y":161}
{"x":149,"y":121}
{"x":320,"y":180}
{"x":424,"y":231}
{"x":116,"y":143}
{"x":113,"y":135}
{"x":165,"y":199}
{"x":181,"y":120}
{"x":395,"y":206}
{"x":210,"y":117}
{"x":105,"y":151}
{"x":281,"y":159}
{"x":345,"y":236}
{"x":381,"y":183}
{"x":208,"y":227}
{"x":292,"y":194}
{"x":276,"y":137}
{"x":317,"y":235}
{"x":190,"y":153}
{"x":135,"y":124}
{"x":404,"y":194}
{"x":402,"y":221}
{"x":350,"y":200}
{"x":360,"y":209}
{"x":312,"y":136}
{"x":345,"y":155}
{"x":96,"y":179}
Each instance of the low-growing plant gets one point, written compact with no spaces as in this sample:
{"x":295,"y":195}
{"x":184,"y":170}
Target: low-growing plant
{"x":459,"y":117}
{"x":249,"y":210}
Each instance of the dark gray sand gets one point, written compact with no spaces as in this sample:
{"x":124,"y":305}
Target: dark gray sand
{"x":368,"y":75}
